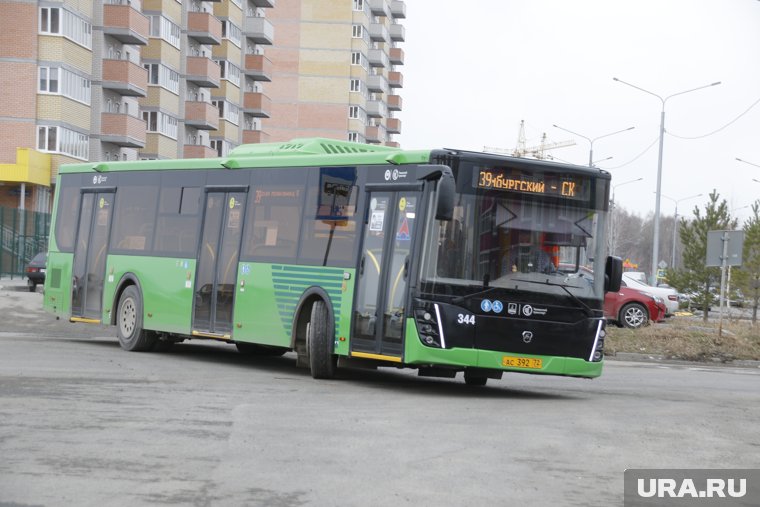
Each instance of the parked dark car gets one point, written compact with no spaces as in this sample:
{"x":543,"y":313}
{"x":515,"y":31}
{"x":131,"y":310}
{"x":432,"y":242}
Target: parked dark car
{"x":633,"y":308}
{"x":35,"y":271}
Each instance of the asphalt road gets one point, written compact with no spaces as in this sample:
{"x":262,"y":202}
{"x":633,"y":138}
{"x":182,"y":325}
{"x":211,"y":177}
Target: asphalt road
{"x":83,"y":423}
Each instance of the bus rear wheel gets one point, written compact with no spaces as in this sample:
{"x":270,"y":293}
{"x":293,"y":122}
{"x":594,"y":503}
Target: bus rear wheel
{"x":129,"y":322}
{"x":319,"y":342}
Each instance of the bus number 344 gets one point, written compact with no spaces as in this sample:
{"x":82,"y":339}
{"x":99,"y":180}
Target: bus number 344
{"x":466,"y":319}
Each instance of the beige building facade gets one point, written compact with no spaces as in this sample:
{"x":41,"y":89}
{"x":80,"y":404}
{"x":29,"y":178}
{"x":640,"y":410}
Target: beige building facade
{"x":157,"y":79}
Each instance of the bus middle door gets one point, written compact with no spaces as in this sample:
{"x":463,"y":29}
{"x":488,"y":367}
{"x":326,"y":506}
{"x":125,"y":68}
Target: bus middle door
{"x":217,"y":268}
{"x":381,"y":294}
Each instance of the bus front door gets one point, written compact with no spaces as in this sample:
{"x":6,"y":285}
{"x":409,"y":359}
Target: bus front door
{"x":217,"y":267}
{"x":381,"y":292}
{"x":89,"y":267}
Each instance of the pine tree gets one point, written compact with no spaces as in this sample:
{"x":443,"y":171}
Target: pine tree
{"x":695,"y":278}
{"x":748,"y":277}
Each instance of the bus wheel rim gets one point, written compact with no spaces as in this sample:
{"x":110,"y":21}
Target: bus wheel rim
{"x":128,"y":317}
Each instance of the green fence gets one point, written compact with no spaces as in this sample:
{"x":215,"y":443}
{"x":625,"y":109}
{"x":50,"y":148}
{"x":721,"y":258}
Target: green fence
{"x":23,"y":234}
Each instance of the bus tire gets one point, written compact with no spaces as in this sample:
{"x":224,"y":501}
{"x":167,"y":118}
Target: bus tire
{"x":254,"y":349}
{"x":129,"y":322}
{"x":634,"y":316}
{"x":319,"y":339}
{"x":474,"y":379}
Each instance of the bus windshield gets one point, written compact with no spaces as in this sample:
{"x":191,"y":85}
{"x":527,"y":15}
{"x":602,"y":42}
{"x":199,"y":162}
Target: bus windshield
{"x":514,"y":242}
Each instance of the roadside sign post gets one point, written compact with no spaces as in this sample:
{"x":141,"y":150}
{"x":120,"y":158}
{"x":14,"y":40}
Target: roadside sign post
{"x":724,"y":249}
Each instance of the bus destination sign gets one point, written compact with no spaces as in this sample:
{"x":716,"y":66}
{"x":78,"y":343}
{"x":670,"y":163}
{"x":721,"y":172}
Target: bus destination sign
{"x":565,"y":186}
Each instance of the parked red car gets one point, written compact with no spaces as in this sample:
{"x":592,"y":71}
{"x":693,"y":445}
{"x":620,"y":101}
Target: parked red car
{"x":632,"y":308}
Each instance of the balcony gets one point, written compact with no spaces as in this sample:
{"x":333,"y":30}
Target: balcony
{"x":379,"y":7}
{"x":201,"y":115}
{"x":398,"y":9}
{"x":258,"y":67}
{"x":123,"y":130}
{"x":378,"y":58}
{"x":377,"y":84}
{"x":375,"y":134}
{"x":376,"y":109}
{"x":203,"y":71}
{"x":259,"y":30}
{"x":397,"y":56}
{"x":204,"y":27}
{"x":393,"y":144}
{"x":398,"y":33}
{"x":394,"y":102}
{"x":257,"y":104}
{"x":255,"y":137}
{"x":198,"y":151}
{"x":266,"y":4}
{"x":395,"y":79}
{"x":125,"y":24}
{"x":378,"y":33}
{"x":393,"y":125}
{"x":125,"y":78}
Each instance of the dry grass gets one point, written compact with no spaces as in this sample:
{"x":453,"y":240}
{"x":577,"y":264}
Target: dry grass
{"x":690,"y":339}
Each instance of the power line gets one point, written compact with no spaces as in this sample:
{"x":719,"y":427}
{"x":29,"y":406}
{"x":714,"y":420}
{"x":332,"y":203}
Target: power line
{"x":721,"y":128}
{"x":637,"y":156}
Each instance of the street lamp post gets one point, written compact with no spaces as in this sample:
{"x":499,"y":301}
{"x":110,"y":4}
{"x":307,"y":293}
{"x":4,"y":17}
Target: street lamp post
{"x":675,"y":224}
{"x":656,"y":242}
{"x":613,"y":225}
{"x":591,"y":141}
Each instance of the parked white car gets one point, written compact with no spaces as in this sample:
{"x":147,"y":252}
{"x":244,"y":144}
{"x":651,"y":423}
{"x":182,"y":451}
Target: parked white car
{"x":668,"y":294}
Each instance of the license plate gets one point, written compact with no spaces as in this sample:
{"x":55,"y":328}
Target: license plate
{"x":42,"y":270}
{"x":521,"y":362}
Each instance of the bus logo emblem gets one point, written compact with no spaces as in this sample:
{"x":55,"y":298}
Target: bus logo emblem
{"x":387,"y":175}
{"x":527,"y":310}
{"x":527,"y":336}
{"x":485,"y":305}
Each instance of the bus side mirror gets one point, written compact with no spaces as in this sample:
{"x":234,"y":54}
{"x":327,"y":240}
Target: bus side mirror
{"x":613,"y":274}
{"x":446,"y":187}
{"x":446,"y":190}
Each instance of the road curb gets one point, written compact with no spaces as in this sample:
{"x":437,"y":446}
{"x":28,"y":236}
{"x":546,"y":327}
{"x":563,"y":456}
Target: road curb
{"x":656,"y":358}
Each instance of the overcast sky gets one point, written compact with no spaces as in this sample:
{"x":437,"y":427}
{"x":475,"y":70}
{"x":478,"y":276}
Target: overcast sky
{"x":473,"y":70}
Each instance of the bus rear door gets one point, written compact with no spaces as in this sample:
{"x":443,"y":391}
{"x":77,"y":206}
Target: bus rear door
{"x":89,"y":267}
{"x":216,"y":276}
{"x":381,"y":293}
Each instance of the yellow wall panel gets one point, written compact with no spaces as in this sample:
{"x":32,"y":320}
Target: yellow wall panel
{"x":325,"y":63}
{"x":322,"y":89}
{"x":163,"y":98}
{"x":319,"y":10}
{"x":170,"y":9}
{"x":159,"y":49}
{"x":325,"y":35}
{"x":60,"y":49}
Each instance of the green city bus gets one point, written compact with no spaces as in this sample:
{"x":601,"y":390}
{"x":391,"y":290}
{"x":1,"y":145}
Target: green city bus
{"x":347,"y":254}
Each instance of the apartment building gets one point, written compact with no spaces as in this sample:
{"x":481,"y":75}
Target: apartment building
{"x":156,"y":79}
{"x":336,"y":70}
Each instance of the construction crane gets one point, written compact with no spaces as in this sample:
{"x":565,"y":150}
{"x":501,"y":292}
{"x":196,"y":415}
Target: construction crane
{"x":533,"y":151}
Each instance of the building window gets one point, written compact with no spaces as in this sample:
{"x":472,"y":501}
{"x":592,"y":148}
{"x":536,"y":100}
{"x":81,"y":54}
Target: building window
{"x":64,"y":82}
{"x":353,"y":137}
{"x":161,"y":75}
{"x":227,"y":111}
{"x":63,"y":140}
{"x":358,"y":5}
{"x":57,"y":21}
{"x":356,"y":85}
{"x":161,"y":122}
{"x":229,"y":72}
{"x":165,"y":29}
{"x":357,"y":31}
{"x":222,"y":147}
{"x":232,"y":32}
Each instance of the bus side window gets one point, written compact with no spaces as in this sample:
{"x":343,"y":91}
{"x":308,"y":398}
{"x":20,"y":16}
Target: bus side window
{"x":135,"y":214}
{"x":273,"y":223}
{"x":178,"y":217}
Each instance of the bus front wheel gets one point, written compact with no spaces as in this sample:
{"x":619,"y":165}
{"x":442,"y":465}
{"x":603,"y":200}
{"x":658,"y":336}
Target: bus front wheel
{"x":129,"y":322}
{"x":319,"y":340}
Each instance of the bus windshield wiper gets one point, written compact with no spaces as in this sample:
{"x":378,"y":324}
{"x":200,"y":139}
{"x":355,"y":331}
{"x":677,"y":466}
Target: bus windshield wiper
{"x":588,"y":311}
